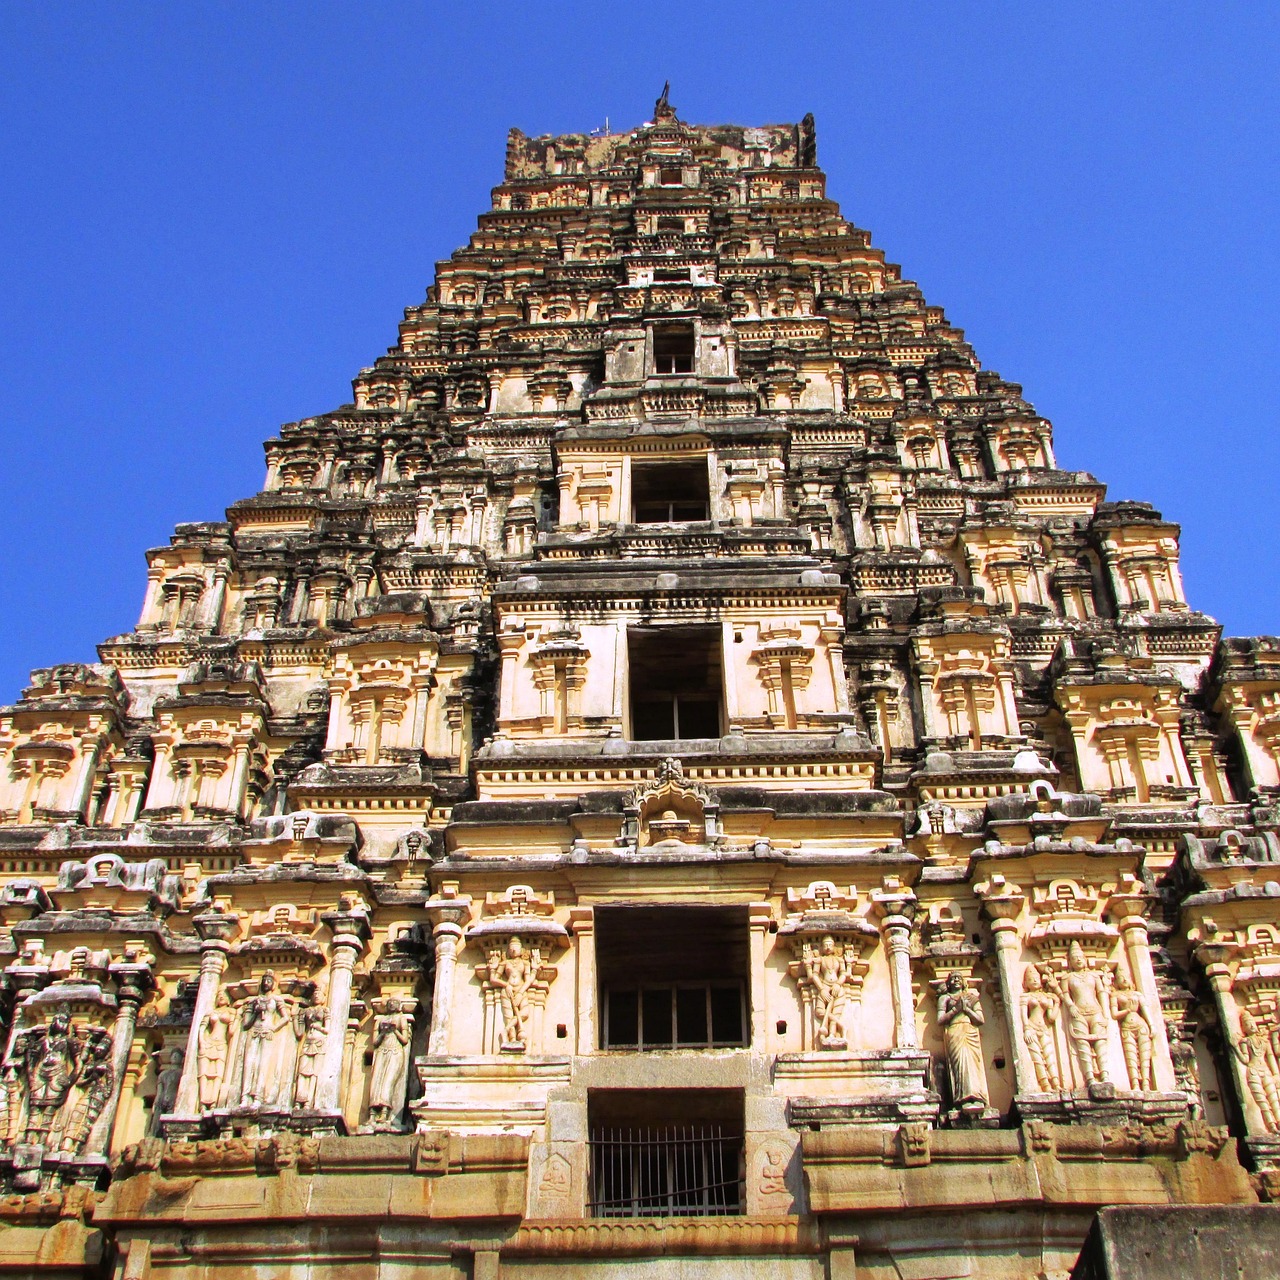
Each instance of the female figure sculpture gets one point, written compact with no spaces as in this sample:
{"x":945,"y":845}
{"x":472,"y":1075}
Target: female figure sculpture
{"x":392,"y":1033}
{"x":211,"y":1050}
{"x":1134,"y":1020}
{"x":960,"y":1015}
{"x":263,"y":1020}
{"x":1039,"y":1013}
{"x":1260,"y":1069}
{"x":311,"y":1026}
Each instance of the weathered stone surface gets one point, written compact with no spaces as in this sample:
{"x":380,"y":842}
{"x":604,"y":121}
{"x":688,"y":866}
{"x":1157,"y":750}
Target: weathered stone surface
{"x":672,"y":777}
{"x":1219,"y":1243}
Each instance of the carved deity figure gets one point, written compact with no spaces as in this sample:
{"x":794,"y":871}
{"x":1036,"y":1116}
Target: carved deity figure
{"x":52,"y":1057}
{"x":264,"y":1019}
{"x":960,"y":1016}
{"x":211,"y":1050}
{"x":95,"y":1081}
{"x":1186,"y":1072}
{"x":1085,"y":997}
{"x":1134,"y":1020}
{"x":513,"y":973}
{"x":830,"y":974}
{"x":1039,"y":1014}
{"x":1260,"y":1069}
{"x":392,"y":1033}
{"x":311,"y":1026}
{"x":167,"y":1082}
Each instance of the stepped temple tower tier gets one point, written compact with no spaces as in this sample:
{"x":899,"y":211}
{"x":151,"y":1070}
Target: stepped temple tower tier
{"x":674,"y":769}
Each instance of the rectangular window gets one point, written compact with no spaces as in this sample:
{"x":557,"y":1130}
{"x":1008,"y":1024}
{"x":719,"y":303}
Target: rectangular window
{"x":671,"y":177}
{"x":673,"y":348}
{"x":668,"y":223}
{"x":672,"y":977}
{"x":669,"y":492}
{"x":658,"y":1153}
{"x":676,"y":686}
{"x":672,"y":275}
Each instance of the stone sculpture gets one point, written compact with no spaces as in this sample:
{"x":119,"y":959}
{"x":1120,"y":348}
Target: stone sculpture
{"x":513,"y":973}
{"x":1085,"y":999}
{"x":1262,"y":1073}
{"x":960,"y":1016}
{"x":264,"y":1022}
{"x":311,"y":1026}
{"x":212,"y":1049}
{"x":52,"y":1058}
{"x":167,"y":1082}
{"x":1039,"y":1017}
{"x":1134,"y":1020}
{"x":831,"y":979}
{"x":392,"y":1036}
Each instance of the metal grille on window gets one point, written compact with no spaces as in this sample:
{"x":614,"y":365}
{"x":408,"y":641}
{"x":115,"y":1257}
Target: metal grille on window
{"x":693,"y":1170}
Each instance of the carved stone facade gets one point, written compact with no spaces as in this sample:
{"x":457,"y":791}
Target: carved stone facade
{"x":674,"y":769}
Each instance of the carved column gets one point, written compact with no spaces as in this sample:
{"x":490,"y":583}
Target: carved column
{"x":582,"y":925}
{"x":84,"y":783}
{"x":760,"y":916}
{"x":448,"y":916}
{"x":133,"y":981}
{"x":350,"y":933}
{"x":1003,"y":902}
{"x":216,"y":929}
{"x":896,"y":907}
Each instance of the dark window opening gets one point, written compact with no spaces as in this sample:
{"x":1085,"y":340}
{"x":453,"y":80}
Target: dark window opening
{"x":672,"y":977}
{"x":658,"y":1153}
{"x":675,"y":682}
{"x":669,"y":492}
{"x":671,"y":177}
{"x":671,"y":224}
{"x":672,"y":275}
{"x":673,"y":348}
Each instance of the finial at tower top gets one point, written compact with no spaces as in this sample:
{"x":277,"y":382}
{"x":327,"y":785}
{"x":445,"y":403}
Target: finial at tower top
{"x":662,"y":109}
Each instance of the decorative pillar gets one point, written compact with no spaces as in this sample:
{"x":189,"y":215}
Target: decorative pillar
{"x":896,"y":906}
{"x":759,"y":918}
{"x":583,"y":927}
{"x":84,"y":783}
{"x":133,"y":981}
{"x":1003,"y":902}
{"x":217,"y":597}
{"x":350,"y":929}
{"x":448,"y":915}
{"x":239,"y":777}
{"x":216,"y":929}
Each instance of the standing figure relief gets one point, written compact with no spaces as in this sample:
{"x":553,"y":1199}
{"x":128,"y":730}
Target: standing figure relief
{"x":1086,"y":1000}
{"x":391,"y":1041}
{"x":1261,"y":1070}
{"x":512,"y":973}
{"x":65,"y":1077}
{"x":1136,"y":1030}
{"x":1039,"y":1018}
{"x":829,"y":971}
{"x":212,"y":1045}
{"x":311,"y":1027}
{"x":960,"y":1016}
{"x":265,"y":1023}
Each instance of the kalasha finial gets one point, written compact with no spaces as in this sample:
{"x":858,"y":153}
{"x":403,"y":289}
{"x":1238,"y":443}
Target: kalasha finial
{"x":662,"y":109}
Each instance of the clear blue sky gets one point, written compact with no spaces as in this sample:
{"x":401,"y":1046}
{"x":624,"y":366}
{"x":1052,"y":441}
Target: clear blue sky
{"x":213,"y":214}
